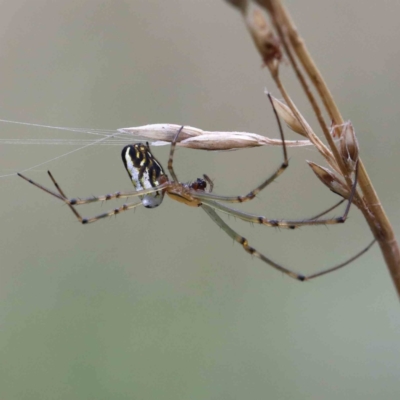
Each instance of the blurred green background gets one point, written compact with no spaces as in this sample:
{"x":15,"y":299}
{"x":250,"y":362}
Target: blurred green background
{"x":160,"y":304}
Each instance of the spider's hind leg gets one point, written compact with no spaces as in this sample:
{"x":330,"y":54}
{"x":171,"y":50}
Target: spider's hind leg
{"x":251,"y":250}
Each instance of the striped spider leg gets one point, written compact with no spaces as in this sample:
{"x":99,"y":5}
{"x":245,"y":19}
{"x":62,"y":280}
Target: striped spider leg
{"x":152,"y":183}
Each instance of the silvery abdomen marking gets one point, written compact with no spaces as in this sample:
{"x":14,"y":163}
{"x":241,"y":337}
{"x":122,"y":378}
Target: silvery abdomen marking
{"x":145,"y":172}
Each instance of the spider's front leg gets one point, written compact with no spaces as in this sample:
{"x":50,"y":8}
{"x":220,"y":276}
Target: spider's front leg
{"x":284,"y":223}
{"x":171,"y":155}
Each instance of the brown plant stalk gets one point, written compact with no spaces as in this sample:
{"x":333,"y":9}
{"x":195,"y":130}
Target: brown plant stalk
{"x":341,"y":158}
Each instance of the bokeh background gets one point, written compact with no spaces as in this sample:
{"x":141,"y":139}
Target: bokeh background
{"x":160,"y":303}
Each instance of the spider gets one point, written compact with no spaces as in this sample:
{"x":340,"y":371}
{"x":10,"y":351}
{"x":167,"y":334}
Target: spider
{"x":152,"y":183}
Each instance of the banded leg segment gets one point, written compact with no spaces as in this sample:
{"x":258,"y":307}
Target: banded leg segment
{"x":83,"y":220}
{"x":286,"y":224}
{"x":251,"y":250}
{"x":71,"y":202}
{"x":77,"y":215}
{"x":289,"y":224}
{"x":119,"y":210}
{"x":116,"y":195}
{"x":171,"y":156}
{"x":252,"y":194}
{"x":243,"y":241}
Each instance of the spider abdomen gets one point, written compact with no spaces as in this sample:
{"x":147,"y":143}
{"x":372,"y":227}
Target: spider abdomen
{"x":145,"y":172}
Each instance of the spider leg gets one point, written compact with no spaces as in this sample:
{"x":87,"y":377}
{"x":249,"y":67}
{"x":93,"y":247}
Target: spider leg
{"x":201,"y":197}
{"x":328,"y":210}
{"x":77,"y":215}
{"x":117,"y":195}
{"x":335,"y":268}
{"x":70,"y":203}
{"x":124,"y":207}
{"x":251,"y":195}
{"x":171,"y":156}
{"x":251,"y":250}
{"x":279,"y":170}
{"x":290,"y":224}
{"x":278,"y":223}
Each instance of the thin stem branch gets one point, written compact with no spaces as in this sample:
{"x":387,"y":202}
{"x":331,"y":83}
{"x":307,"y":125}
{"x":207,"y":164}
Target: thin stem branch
{"x":295,"y":47}
{"x":374,"y":212}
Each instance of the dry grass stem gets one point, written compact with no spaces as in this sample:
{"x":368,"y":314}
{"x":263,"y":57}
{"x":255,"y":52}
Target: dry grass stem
{"x":277,"y":39}
{"x":196,"y":138}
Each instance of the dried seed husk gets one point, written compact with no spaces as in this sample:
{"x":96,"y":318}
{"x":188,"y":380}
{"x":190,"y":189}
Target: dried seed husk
{"x":287,"y":115}
{"x":348,"y":146}
{"x":331,"y":179}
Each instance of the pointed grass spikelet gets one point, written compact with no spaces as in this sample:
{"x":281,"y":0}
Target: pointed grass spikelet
{"x":287,"y":115}
{"x":348,"y":146}
{"x":330,"y":179}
